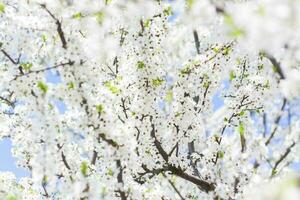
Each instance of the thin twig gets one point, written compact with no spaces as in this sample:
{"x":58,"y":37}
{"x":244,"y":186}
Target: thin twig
{"x":59,"y":27}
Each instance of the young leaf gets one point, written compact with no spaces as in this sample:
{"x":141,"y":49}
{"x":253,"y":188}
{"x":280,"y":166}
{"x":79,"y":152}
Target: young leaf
{"x":84,"y":168}
{"x":140,"y":65}
{"x":157,"y":82}
{"x":100,"y":108}
{"x":2,"y":7}
{"x":26,"y":66}
{"x":43,"y":87}
{"x":112,"y":88}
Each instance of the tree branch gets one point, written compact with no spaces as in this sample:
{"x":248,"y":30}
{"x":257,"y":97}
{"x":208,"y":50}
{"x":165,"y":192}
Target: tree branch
{"x":65,"y":161}
{"x":277,"y":120}
{"x":174,"y":187}
{"x":70,"y":62}
{"x":59,"y":27}
{"x":120,"y":180}
{"x":276,"y":65}
{"x":197,"y":42}
{"x":10,"y":58}
{"x":282,"y":157}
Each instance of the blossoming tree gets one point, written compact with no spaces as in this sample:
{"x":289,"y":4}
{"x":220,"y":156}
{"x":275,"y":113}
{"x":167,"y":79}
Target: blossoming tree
{"x":154,"y":99}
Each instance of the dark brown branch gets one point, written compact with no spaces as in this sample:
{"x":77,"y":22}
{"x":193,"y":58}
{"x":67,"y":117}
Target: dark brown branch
{"x":124,"y":107}
{"x":116,"y":63}
{"x":65,"y":161}
{"x":282,"y":157}
{"x":204,"y":98}
{"x":108,"y":141}
{"x":174,"y":187}
{"x":59,"y":27}
{"x":236,"y":183}
{"x":120,"y":180}
{"x":138,"y":133}
{"x":7,"y":101}
{"x":191,"y":147}
{"x":70,"y":62}
{"x":203,"y":185}
{"x":45,"y":190}
{"x":94,"y":158}
{"x":197,"y":42}
{"x":243,"y":142}
{"x":276,"y":65}
{"x":152,"y":173}
{"x":10,"y":58}
{"x":157,"y":143}
{"x":265,"y":124}
{"x":173,"y":149}
{"x":277,"y":120}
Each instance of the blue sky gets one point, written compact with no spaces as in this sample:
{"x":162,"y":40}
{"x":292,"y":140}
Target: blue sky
{"x":7,"y":161}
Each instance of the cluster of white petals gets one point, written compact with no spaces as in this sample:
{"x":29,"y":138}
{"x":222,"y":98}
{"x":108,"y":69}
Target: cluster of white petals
{"x":150,"y":99}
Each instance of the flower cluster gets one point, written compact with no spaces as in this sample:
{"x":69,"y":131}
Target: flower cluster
{"x":192,"y":99}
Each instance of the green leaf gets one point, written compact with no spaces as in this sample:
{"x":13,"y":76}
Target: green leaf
{"x":228,"y":20}
{"x":148,"y":152}
{"x":274,"y":172}
{"x":226,"y":50}
{"x":275,"y":69}
{"x":26,"y":66}
{"x":232,"y":75}
{"x":258,"y":111}
{"x":206,"y":84}
{"x":70,"y":85}
{"x":2,"y":7}
{"x":157,"y":82}
{"x":216,"y":49}
{"x":99,"y":16}
{"x":100,"y":108}
{"x":177,"y":114}
{"x":185,"y":71}
{"x":235,"y":31}
{"x":84,"y":168}
{"x":241,"y":129}
{"x":241,"y":113}
{"x":112,"y":88}
{"x":103,"y":191}
{"x":169,"y":96}
{"x":44,"y":38}
{"x":12,"y":197}
{"x":260,"y":67}
{"x":110,"y":172}
{"x":43,"y":87}
{"x":77,"y":15}
{"x":168,"y":11}
{"x":189,"y":3}
{"x":45,"y":180}
{"x":267,"y":85}
{"x":50,"y":106}
{"x":221,"y":154}
{"x":140,"y":65}
{"x":119,"y":78}
{"x":147,"y":23}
